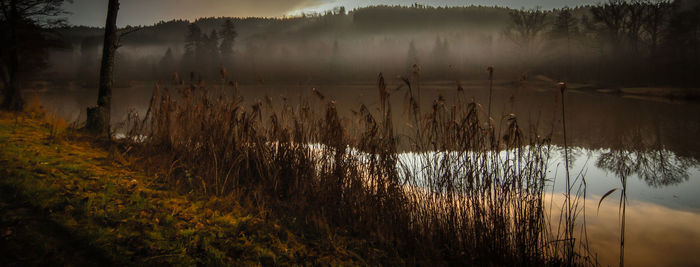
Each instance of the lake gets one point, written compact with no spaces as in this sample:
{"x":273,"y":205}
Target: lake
{"x":652,"y":143}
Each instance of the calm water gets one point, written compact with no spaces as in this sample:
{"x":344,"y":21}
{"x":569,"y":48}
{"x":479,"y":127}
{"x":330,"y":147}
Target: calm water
{"x":655,"y":145}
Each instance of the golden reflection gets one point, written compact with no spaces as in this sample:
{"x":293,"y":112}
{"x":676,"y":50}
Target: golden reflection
{"x":654,"y":236}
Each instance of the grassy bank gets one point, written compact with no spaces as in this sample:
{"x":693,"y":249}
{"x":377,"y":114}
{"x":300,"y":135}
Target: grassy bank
{"x":205,"y":178}
{"x":67,"y":199}
{"x":470,"y":193}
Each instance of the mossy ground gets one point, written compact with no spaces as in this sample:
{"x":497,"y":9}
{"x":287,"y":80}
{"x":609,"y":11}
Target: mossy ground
{"x":67,"y":199}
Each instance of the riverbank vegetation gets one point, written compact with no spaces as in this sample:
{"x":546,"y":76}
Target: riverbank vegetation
{"x":206,"y":178}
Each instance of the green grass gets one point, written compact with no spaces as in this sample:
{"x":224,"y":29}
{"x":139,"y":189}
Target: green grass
{"x":67,"y":201}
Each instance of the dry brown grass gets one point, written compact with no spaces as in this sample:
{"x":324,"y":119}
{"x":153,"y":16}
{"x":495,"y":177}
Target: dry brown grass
{"x":467,"y":194}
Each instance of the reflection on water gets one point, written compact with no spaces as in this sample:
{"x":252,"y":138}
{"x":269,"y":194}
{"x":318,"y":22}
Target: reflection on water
{"x":650,"y":146}
{"x":655,"y":210}
{"x":662,"y":208}
{"x":655,"y":235}
{"x":646,"y":158}
{"x":657,"y":168}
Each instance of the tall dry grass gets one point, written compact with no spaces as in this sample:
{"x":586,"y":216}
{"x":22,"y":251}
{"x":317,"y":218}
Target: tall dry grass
{"x":464,"y":194}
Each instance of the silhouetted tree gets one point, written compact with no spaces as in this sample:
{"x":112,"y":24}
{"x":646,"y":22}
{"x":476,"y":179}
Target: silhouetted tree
{"x":654,"y":26}
{"x":193,"y":41}
{"x":211,"y":46}
{"x":23,"y":46}
{"x":657,"y":167}
{"x":440,"y":57}
{"x":208,"y":56}
{"x":228,"y":37}
{"x":609,"y":20}
{"x":634,"y":22}
{"x":98,"y":118}
{"x":565,"y":25}
{"x":167,"y":63}
{"x":524,"y":29}
{"x":683,"y":42}
{"x":565,"y":28}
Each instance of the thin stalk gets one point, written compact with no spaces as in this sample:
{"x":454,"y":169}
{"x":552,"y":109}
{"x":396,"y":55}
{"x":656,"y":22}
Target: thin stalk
{"x":490,"y":69}
{"x":569,"y":227}
{"x":622,"y":227}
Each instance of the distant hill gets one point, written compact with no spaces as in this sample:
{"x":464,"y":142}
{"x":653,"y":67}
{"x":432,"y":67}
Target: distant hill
{"x":368,"y":20}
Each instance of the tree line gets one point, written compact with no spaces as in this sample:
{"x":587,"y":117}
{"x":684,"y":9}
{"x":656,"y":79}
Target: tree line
{"x":207,"y":52}
{"x":637,"y":42}
{"x":624,"y":42}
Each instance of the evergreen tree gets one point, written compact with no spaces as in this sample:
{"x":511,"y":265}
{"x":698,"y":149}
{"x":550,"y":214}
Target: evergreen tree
{"x":228,"y":37}
{"x":565,"y":25}
{"x":212,"y":46}
{"x":440,"y":57}
{"x":193,"y":41}
{"x":564,"y":29}
{"x":167,"y":63}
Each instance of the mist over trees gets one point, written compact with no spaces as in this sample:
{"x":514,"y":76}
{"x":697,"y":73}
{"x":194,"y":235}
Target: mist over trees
{"x":616,"y":43}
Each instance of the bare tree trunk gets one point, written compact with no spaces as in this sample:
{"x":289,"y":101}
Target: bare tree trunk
{"x":12,"y":97}
{"x":98,"y":118}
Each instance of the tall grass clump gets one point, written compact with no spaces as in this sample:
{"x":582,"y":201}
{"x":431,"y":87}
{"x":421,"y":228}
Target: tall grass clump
{"x":443,"y":193}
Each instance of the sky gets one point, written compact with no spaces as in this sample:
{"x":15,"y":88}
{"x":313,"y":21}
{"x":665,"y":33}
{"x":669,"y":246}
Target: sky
{"x":147,"y":12}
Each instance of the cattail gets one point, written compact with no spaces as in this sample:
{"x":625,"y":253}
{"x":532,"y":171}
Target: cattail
{"x":222,"y":73}
{"x":268,"y":100}
{"x":490,"y":70}
{"x":382,"y":91}
{"x":562,"y":87}
{"x":416,"y":78}
{"x":415,"y":70}
{"x":176,"y":78}
{"x":569,"y":216}
{"x":318,"y":94}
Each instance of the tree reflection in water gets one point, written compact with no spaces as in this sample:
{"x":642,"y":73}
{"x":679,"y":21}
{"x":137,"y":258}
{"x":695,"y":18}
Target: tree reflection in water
{"x":654,"y":164}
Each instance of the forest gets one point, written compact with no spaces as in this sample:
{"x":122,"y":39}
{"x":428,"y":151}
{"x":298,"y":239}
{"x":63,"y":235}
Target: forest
{"x":383,"y":135}
{"x":613,"y":44}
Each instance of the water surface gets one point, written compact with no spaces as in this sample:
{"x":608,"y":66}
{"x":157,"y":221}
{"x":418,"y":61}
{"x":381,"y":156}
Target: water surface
{"x":653,"y":145}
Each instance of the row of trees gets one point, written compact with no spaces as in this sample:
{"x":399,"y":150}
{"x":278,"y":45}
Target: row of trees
{"x":207,"y":51}
{"x":655,"y":39}
{"x":618,"y":41}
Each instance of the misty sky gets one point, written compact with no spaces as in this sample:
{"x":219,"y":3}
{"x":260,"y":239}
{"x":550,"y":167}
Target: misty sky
{"x":146,"y":12}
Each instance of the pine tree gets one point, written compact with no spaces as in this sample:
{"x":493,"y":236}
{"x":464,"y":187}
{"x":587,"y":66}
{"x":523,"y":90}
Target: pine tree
{"x":212,"y":46}
{"x":228,"y":37}
{"x":193,"y":41}
{"x":564,"y":29}
{"x":167,"y":63}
